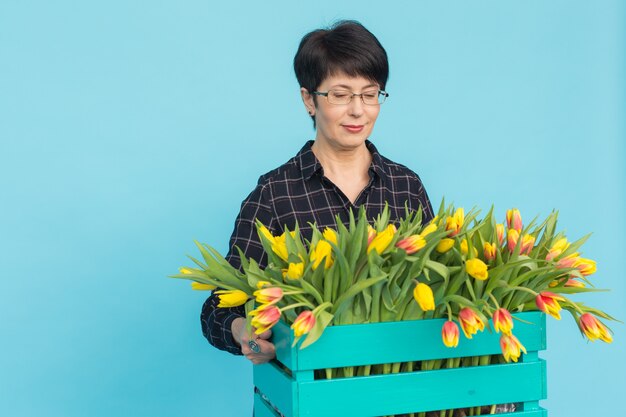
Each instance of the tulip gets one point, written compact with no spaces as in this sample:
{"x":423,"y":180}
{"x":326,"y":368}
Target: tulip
{"x":548,"y":302}
{"x":270,"y":295}
{"x":500,"y":233}
{"x":558,"y":248}
{"x":477,"y":269}
{"x":450,"y":334}
{"x":266,"y":233}
{"x":264,"y":317}
{"x":322,"y":250}
{"x":512,"y":237}
{"x":511,"y":347}
{"x":198,"y":286}
{"x":465,"y":249}
{"x":502,"y":321}
{"x":294,"y":271}
{"x":489,"y":250}
{"x":231,"y":298}
{"x":371,"y":234}
{"x":455,"y":222}
{"x":303,"y":323}
{"x":382,"y":240}
{"x":470,"y":322}
{"x":585,"y":266}
{"x":514,"y":220}
{"x":279,"y":247}
{"x":528,"y":242}
{"x":423,"y":294}
{"x":593,"y":328}
{"x":444,"y":245}
{"x":569,"y":261}
{"x":428,"y":229}
{"x":412,"y":244}
{"x":330,"y":235}
{"x":574,"y":283}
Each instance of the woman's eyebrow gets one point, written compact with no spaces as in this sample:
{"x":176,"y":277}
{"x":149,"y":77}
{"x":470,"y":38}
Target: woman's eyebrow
{"x":347,"y":87}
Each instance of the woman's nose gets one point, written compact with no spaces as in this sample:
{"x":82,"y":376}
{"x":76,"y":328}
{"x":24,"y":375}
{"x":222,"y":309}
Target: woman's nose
{"x":355,"y":107}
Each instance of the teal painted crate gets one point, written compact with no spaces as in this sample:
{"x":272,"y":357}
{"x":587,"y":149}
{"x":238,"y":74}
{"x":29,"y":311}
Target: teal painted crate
{"x":296,"y":393}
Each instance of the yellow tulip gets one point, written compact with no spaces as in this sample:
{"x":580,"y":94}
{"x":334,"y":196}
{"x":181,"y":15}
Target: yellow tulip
{"x":294,"y":271}
{"x":445,"y":245}
{"x":428,"y":230}
{"x":455,"y":222}
{"x":198,"y":286}
{"x":266,"y":233}
{"x":465,"y":249}
{"x":477,"y":269}
{"x":382,"y":240}
{"x":423,"y":294}
{"x":322,"y":250}
{"x":330,"y":235}
{"x":231,"y":298}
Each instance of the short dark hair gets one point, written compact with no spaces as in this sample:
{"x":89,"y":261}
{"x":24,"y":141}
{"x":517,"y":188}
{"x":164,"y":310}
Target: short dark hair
{"x":345,"y":47}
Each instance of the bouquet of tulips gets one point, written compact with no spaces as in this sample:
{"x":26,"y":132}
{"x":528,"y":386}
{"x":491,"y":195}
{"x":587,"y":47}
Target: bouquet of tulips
{"x":473,"y":271}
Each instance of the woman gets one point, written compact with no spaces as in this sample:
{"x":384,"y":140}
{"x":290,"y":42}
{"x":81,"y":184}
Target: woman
{"x":342,"y":73}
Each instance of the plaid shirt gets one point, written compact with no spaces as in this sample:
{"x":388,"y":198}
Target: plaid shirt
{"x":299,"y":192}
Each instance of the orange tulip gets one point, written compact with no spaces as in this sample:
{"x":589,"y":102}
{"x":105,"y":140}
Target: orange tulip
{"x":557,"y":248}
{"x":412,"y":244}
{"x":528,"y":242}
{"x":269,"y":295}
{"x":470,"y":322}
{"x":514,"y":220}
{"x":450,"y":334}
{"x":512,"y":237}
{"x":593,"y":328}
{"x":548,"y":302}
{"x":511,"y":347}
{"x":303,"y":323}
{"x":585,"y":266}
{"x":489,"y":250}
{"x":502,"y":321}
{"x":500,"y":233}
{"x":265,"y":317}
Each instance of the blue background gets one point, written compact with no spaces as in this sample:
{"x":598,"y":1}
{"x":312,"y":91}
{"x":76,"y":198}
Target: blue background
{"x":130,"y":128}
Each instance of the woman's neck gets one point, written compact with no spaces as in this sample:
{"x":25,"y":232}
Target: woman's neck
{"x":342,"y":162}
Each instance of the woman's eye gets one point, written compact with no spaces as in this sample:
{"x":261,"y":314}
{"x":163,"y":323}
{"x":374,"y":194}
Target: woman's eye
{"x":341,"y":94}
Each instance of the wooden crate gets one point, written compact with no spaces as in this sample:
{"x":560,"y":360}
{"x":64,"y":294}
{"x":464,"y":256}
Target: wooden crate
{"x":296,"y":393}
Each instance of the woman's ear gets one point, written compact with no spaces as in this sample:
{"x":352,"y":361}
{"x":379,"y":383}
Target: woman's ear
{"x":307,"y":99}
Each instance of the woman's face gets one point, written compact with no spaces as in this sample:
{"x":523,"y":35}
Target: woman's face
{"x":343,"y":126}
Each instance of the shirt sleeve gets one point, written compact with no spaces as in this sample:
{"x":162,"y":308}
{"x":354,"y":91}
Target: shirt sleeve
{"x":216,"y":322}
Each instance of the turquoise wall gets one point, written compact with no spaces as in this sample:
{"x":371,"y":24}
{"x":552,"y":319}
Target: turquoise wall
{"x":130,"y":128}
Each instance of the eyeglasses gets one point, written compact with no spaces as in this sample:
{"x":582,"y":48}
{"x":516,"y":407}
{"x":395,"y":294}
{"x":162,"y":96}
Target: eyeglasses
{"x":371,"y":97}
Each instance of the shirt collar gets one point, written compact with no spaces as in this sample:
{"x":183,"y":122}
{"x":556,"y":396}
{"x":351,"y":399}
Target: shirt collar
{"x":310,"y":165}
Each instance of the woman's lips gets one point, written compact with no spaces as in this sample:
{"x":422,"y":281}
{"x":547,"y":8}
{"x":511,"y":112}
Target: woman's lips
{"x":353,"y":128}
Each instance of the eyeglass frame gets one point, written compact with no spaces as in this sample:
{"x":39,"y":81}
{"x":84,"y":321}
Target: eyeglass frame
{"x":325,"y":94}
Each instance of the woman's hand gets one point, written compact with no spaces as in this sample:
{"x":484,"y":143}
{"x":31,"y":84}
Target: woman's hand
{"x":240,"y":334}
